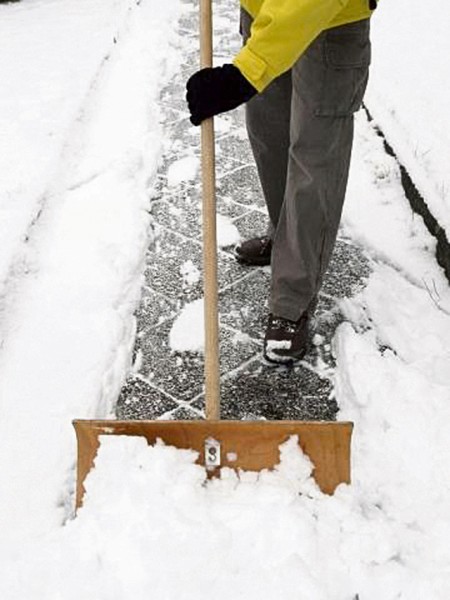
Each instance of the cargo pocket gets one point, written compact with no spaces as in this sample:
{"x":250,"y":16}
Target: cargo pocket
{"x":346,"y":56}
{"x":245,"y":24}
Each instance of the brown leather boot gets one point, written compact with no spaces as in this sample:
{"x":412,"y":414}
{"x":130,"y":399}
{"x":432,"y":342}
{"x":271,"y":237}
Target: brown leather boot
{"x":254,"y":252}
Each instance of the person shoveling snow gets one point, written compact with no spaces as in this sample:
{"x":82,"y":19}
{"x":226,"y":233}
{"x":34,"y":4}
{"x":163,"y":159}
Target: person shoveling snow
{"x":302,"y":73}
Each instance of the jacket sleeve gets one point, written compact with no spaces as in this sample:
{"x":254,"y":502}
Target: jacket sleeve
{"x":280,"y":33}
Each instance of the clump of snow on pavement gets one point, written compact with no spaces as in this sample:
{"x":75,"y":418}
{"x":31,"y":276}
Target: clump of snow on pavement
{"x":152,"y":525}
{"x":184,"y":169}
{"x":227,"y":232}
{"x":187,"y":332}
{"x":190,"y":273}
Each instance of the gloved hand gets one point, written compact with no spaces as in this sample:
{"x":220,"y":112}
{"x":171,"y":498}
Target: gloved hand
{"x":212,"y":91}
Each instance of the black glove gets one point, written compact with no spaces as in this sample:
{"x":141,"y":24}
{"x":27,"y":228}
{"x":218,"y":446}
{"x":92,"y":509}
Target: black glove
{"x":212,"y":91}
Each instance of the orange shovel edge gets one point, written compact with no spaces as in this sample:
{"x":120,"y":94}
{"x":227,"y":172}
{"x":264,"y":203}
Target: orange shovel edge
{"x":247,"y":445}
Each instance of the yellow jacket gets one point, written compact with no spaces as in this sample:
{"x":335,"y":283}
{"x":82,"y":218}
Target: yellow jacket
{"x":283,"y":29}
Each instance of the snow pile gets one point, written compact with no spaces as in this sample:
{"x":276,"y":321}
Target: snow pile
{"x":399,"y":398}
{"x":153,"y":527}
{"x":409,"y":93}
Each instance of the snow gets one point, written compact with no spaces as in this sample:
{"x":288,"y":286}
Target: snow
{"x":227,"y":232}
{"x":76,"y":188}
{"x":377,"y":216}
{"x":184,"y":169}
{"x":74,"y":230}
{"x":187,"y":332}
{"x":409,"y":93}
{"x":273,"y":346}
{"x":190,"y":273}
{"x":149,"y":513}
{"x":44,"y":83}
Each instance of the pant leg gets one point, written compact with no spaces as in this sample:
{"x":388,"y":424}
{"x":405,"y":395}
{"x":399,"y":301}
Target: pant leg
{"x":328,"y":84}
{"x":268,"y":121}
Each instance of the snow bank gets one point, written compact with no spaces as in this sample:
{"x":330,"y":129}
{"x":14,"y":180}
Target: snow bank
{"x":378,"y":217}
{"x":68,"y":325}
{"x":51,"y":55}
{"x":409,"y":93}
{"x":401,"y":455}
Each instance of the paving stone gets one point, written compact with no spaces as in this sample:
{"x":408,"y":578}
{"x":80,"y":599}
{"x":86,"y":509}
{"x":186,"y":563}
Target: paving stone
{"x":153,"y":310}
{"x":252,"y":224}
{"x":164,"y":275}
{"x":182,"y":129}
{"x":244,"y":305}
{"x":138,"y":400}
{"x":228,"y":123}
{"x":182,"y":213}
{"x":243,"y":186}
{"x":347,"y":271}
{"x":174,"y":96}
{"x":181,"y":375}
{"x":184,"y":414}
{"x":184,"y":148}
{"x":236,"y":348}
{"x":170,"y":253}
{"x":236,"y":144}
{"x":169,"y":117}
{"x":227,"y":207}
{"x":259,"y":391}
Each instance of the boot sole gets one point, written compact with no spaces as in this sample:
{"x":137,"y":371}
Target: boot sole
{"x":263,"y":262}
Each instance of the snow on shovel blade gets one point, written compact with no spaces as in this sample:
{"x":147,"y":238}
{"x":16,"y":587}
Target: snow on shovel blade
{"x":247,"y":445}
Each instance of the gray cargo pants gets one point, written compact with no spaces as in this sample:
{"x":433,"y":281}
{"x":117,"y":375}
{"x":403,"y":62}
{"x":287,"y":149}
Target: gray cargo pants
{"x":301,"y":132}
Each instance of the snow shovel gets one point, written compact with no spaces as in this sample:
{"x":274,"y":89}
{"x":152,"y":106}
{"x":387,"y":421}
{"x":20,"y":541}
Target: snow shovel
{"x":246,"y":445}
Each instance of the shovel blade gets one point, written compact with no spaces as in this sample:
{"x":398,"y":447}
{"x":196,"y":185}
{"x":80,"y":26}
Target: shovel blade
{"x":247,"y":445}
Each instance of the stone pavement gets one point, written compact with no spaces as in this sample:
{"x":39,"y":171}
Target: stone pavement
{"x":168,"y":385}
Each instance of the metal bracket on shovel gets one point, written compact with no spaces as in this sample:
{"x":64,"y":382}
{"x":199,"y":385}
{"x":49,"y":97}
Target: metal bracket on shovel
{"x":212,"y":454}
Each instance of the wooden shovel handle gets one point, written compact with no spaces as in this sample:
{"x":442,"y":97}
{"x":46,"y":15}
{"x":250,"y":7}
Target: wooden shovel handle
{"x":212,"y":362}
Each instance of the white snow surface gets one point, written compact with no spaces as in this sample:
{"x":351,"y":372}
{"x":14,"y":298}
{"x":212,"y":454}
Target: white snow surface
{"x":409,"y":93}
{"x":81,"y":137}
